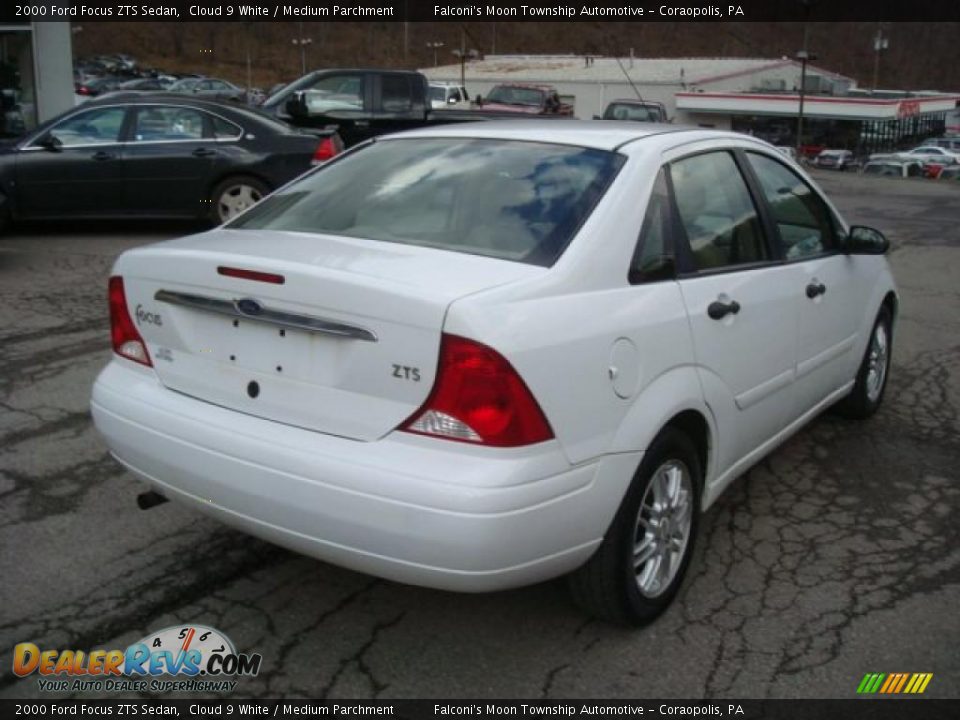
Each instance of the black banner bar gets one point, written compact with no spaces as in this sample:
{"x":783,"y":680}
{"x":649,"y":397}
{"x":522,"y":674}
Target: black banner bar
{"x":634,"y":11}
{"x":582,"y":709}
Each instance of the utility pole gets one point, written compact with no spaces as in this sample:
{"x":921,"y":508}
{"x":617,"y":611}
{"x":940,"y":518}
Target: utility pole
{"x":804,"y":57}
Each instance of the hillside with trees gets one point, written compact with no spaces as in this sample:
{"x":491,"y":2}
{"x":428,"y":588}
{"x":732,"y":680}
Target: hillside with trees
{"x":920,"y":55}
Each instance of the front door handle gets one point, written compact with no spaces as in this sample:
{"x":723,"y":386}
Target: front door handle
{"x":718,"y":310}
{"x":814,"y":289}
{"x":102,"y":155}
{"x":203,"y":152}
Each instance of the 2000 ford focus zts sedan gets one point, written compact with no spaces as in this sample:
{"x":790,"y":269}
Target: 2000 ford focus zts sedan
{"x":479,"y":356}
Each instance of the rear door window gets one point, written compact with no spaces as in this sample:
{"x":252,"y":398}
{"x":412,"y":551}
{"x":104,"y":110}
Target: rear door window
{"x":716,"y":212}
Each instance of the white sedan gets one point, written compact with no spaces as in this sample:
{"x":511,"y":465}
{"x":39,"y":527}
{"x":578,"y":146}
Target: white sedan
{"x":923,"y":154}
{"x":479,"y":356}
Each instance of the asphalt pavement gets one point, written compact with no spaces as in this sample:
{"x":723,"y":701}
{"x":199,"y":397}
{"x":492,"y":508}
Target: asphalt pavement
{"x":837,"y":555}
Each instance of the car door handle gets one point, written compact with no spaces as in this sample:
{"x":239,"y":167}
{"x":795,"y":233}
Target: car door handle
{"x":718,"y":310}
{"x":102,"y":155}
{"x":814,"y":289}
{"x":203,"y":152}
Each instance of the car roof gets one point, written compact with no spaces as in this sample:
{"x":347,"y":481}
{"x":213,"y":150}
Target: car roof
{"x":597,"y":134}
{"x":152,"y":97}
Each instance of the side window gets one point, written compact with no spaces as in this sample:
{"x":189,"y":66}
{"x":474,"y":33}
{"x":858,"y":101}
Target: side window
{"x":396,"y":93}
{"x":803,"y":219}
{"x":335,"y":92}
{"x":168,"y":123}
{"x":223,"y":129}
{"x":716,"y":212}
{"x":95,"y":127}
{"x":653,"y":257}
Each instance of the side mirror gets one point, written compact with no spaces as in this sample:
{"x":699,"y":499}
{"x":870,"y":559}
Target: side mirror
{"x":597,"y":117}
{"x":452,"y":101}
{"x":479,"y":100}
{"x":864,"y":240}
{"x":49,"y":142}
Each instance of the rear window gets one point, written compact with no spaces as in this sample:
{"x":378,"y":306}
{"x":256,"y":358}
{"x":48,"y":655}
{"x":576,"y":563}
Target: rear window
{"x":520,"y":201}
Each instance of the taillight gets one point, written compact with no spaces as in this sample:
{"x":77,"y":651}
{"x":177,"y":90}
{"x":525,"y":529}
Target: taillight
{"x":126,"y":339}
{"x":83,"y":90}
{"x":326,"y":150}
{"x":479,"y":398}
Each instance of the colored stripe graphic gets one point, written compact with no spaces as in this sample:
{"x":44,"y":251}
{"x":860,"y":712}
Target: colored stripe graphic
{"x":894,"y":683}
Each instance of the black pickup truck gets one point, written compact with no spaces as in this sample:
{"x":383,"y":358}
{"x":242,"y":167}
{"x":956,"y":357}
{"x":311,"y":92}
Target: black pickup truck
{"x":364,"y":103}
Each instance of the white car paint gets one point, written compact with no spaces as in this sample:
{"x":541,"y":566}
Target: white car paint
{"x":316,"y":462}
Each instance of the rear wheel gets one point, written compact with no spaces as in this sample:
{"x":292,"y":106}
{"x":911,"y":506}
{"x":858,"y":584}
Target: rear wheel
{"x":234,"y":195}
{"x":637,"y":570}
{"x":871,"y":382}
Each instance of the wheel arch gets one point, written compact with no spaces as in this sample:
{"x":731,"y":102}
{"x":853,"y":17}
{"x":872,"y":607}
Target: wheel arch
{"x":677,"y":396}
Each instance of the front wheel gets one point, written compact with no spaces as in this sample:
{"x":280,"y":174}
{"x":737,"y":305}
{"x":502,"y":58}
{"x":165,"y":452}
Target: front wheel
{"x":637,"y":570}
{"x":234,"y":195}
{"x":871,"y":382}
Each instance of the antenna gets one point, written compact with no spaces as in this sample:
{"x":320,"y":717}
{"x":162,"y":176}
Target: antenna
{"x":627,"y":75}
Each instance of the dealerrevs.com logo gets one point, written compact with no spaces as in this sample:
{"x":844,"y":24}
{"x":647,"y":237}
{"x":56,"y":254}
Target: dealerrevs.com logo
{"x":182,"y":658}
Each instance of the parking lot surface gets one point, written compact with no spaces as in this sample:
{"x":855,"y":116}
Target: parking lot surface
{"x":837,"y":555}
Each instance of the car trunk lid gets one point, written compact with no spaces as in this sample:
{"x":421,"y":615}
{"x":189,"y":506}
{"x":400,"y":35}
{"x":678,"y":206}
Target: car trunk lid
{"x":346,"y":344}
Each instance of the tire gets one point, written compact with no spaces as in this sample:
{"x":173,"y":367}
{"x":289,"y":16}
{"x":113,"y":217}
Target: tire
{"x":608,"y":585}
{"x":234,"y":195}
{"x":871,"y":382}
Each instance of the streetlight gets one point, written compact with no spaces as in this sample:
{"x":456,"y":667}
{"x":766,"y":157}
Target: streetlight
{"x":804,"y":57}
{"x":435,"y":46}
{"x":303,"y":42}
{"x":465,"y":55}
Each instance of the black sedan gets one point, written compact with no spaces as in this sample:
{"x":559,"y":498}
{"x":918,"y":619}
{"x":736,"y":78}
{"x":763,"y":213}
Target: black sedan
{"x":129,"y":155}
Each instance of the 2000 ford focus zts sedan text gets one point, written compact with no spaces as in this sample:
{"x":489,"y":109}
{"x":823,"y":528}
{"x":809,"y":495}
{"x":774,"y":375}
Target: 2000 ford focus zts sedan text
{"x":480,"y":356}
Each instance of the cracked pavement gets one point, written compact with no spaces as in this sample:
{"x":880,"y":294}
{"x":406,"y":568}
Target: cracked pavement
{"x":837,"y":555}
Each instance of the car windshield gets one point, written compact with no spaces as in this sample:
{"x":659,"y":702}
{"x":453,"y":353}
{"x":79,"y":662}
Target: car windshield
{"x":508,"y":95}
{"x":513,"y":200}
{"x":631,"y":111}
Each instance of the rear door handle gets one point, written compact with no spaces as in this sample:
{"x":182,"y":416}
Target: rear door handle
{"x":103,"y":155}
{"x":814,"y":289}
{"x":203,"y":152}
{"x":718,"y":310}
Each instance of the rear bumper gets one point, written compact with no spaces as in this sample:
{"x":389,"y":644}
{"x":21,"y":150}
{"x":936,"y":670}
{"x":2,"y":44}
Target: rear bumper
{"x":412,"y":509}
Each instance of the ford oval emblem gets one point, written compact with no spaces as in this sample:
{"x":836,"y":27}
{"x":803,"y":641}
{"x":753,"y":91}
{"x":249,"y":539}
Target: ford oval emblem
{"x":248,"y":306}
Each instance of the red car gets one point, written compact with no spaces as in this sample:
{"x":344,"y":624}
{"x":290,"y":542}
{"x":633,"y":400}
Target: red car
{"x":526,"y":99}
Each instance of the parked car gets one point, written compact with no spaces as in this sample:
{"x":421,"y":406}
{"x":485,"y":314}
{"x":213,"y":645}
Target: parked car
{"x":445,"y":94}
{"x":209,"y":88}
{"x":96,"y":86}
{"x":131,"y":155}
{"x":635,"y":111}
{"x":923,"y":154}
{"x":893,"y":168}
{"x":525,"y":99}
{"x":834,"y":159}
{"x":365,"y":103}
{"x":148,"y":83}
{"x":480,"y":356}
